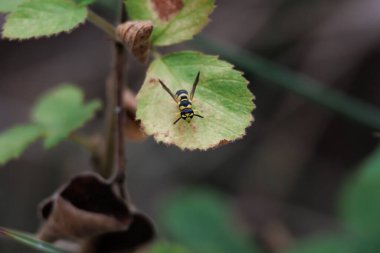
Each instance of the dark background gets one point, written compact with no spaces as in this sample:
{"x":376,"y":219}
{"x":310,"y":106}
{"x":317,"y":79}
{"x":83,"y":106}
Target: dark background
{"x":285,"y":175}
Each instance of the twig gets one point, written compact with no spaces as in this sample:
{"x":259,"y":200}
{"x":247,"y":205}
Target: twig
{"x":114,"y":139}
{"x":103,"y":24}
{"x":109,"y":147}
{"x":119,"y":68}
{"x":106,"y":163}
{"x":85,"y":142}
{"x":156,"y":54}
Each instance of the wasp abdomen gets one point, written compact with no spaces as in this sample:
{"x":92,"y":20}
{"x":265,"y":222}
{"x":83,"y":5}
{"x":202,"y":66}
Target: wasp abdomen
{"x":183,"y":104}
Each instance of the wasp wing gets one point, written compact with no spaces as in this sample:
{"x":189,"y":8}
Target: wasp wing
{"x":194,"y":86}
{"x":168,"y":90}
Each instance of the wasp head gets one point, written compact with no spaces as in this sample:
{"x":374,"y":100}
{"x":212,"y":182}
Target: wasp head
{"x":187,"y":115}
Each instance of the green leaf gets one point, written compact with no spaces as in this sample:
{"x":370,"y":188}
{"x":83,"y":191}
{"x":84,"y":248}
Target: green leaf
{"x":84,"y":2}
{"x":162,"y":247}
{"x":37,"y":18}
{"x":174,"y":21}
{"x":332,"y":244}
{"x":9,"y":5}
{"x":62,"y":111}
{"x":202,"y":221}
{"x":360,"y":205}
{"x":222,"y":97}
{"x":15,"y":140}
{"x":29,"y":240}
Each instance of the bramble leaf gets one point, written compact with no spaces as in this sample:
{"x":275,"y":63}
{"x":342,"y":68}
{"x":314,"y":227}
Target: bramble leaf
{"x":9,"y":5}
{"x":14,"y":141}
{"x":174,"y":21}
{"x":222,"y":98}
{"x":30,"y":241}
{"x":37,"y":18}
{"x":202,"y":221}
{"x":62,"y":111}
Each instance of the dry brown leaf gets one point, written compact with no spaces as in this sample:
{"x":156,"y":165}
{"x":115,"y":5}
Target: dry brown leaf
{"x":140,"y":232}
{"x":83,"y":208}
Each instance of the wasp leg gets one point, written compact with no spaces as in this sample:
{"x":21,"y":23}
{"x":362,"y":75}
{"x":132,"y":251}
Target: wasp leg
{"x":194,"y":86}
{"x":177,"y":120}
{"x":168,"y":90}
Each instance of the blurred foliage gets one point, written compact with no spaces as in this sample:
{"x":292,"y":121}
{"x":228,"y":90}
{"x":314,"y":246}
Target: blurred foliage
{"x":57,"y":113}
{"x":30,"y":241}
{"x":294,"y":82}
{"x":203,"y":221}
{"x":61,"y":111}
{"x":14,"y":141}
{"x":360,"y":205}
{"x":328,"y":244}
{"x":360,"y":209}
{"x":164,"y":247}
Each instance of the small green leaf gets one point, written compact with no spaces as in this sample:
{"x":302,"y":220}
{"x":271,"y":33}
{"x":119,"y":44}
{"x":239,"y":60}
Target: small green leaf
{"x":360,"y":205}
{"x":162,"y":247}
{"x":202,"y":221}
{"x":174,"y":21}
{"x":15,"y":140}
{"x":222,"y":97}
{"x":9,"y":5}
{"x":37,"y":18}
{"x":29,"y":240}
{"x":62,"y":111}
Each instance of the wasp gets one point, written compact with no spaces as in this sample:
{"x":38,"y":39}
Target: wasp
{"x":183,"y":100}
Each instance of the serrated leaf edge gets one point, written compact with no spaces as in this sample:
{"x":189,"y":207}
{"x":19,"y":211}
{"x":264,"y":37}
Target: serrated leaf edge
{"x":4,"y":37}
{"x":216,"y":144}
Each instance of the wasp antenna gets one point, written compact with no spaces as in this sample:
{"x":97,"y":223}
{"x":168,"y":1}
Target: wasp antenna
{"x":200,"y":116}
{"x":196,"y":81}
{"x":177,"y":120}
{"x":168,"y":90}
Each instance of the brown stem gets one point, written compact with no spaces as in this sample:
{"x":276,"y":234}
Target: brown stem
{"x":120,"y":68}
{"x":103,"y":24}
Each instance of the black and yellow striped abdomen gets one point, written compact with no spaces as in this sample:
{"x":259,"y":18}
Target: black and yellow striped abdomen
{"x":185,"y":106}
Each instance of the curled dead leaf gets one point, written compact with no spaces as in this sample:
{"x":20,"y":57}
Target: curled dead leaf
{"x":85,"y":207}
{"x":132,"y":128}
{"x":140,"y":232}
{"x":136,"y":34}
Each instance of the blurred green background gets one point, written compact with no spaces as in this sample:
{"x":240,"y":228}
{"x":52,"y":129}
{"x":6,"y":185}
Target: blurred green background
{"x":269,"y":192}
